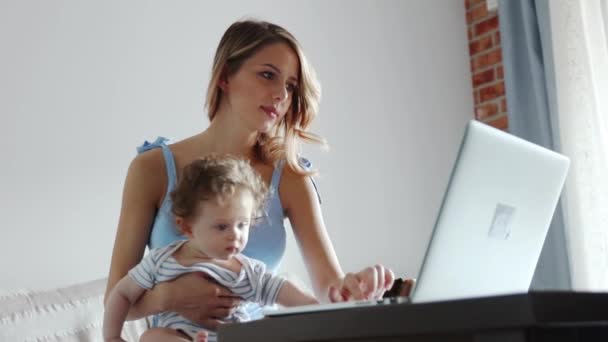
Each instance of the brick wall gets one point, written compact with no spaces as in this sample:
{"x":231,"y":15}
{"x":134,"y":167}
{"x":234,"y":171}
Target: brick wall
{"x":486,"y":64}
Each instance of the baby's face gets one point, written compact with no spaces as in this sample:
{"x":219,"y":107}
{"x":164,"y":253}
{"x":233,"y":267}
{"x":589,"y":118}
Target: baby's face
{"x":221,"y":230}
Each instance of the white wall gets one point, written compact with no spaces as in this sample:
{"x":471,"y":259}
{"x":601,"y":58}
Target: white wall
{"x":83,"y":82}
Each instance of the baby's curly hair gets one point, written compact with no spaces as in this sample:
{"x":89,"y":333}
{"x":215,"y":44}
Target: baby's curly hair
{"x":215,"y":177}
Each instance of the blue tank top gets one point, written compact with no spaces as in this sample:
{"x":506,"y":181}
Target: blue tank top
{"x":266,"y":239}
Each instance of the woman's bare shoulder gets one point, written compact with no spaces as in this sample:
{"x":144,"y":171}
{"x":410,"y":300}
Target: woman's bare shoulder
{"x":150,"y":162}
{"x":148,"y":174}
{"x":294,"y":188}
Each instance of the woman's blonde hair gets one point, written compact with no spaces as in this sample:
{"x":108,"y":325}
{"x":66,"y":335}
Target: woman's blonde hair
{"x":241,"y":41}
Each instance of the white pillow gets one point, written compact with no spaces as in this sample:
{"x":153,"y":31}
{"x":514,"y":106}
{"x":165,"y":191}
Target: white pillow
{"x":73,"y":313}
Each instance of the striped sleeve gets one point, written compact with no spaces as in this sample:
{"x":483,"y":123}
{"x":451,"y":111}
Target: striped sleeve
{"x":144,"y":272}
{"x":266,"y":286}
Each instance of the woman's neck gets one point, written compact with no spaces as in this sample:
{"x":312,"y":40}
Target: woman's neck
{"x":225,"y":135}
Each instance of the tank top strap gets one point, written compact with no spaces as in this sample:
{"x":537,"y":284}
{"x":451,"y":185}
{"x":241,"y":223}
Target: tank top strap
{"x":276,"y":175}
{"x":307,"y":165}
{"x":167,"y":155}
{"x":278,"y":171}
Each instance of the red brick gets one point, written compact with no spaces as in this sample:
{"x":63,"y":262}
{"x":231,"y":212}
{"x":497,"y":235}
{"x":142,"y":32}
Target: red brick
{"x":483,"y":77}
{"x":486,"y":26}
{"x":487,"y":59}
{"x":491,"y":92}
{"x":495,"y":57}
{"x":503,"y":105}
{"x":479,"y":12}
{"x":501,"y":122}
{"x":486,"y":111}
{"x":479,"y":45}
{"x":497,"y":38}
{"x":476,"y":96}
{"x":470,"y":33}
{"x":470,"y":3}
{"x":499,"y":72}
{"x":479,"y":62}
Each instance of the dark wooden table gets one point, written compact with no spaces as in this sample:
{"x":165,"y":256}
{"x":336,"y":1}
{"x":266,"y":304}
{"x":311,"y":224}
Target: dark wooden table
{"x":533,"y":317}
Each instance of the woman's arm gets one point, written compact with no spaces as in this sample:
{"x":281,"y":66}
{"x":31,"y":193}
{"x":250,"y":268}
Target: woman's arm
{"x":300,"y":200}
{"x":142,"y":191}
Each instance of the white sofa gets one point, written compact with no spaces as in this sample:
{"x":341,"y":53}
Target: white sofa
{"x":72,"y":313}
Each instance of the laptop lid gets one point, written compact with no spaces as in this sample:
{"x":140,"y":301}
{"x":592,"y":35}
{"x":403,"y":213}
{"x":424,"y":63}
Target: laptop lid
{"x":494,"y":218}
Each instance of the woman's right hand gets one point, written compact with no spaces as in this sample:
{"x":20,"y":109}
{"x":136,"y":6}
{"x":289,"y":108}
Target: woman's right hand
{"x":197,"y":297}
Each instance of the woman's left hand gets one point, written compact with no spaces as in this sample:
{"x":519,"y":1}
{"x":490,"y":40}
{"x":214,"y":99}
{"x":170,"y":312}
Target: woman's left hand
{"x":370,"y":283}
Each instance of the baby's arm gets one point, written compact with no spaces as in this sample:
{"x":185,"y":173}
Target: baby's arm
{"x":292,"y":295}
{"x":121,"y":298}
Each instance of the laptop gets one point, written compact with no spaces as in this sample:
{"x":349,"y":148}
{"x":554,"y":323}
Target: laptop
{"x":491,"y":225}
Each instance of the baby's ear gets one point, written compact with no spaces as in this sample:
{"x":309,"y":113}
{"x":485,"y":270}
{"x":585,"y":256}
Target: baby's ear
{"x":184,"y":226}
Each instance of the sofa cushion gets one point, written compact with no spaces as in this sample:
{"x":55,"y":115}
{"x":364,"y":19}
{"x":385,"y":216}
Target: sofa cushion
{"x":72,"y":313}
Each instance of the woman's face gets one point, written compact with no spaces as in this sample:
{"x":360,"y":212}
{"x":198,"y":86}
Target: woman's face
{"x":261,"y":91}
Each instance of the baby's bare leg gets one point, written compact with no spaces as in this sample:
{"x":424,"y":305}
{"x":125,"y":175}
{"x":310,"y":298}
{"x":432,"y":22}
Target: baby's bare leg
{"x":163,"y":334}
{"x":201,"y":336}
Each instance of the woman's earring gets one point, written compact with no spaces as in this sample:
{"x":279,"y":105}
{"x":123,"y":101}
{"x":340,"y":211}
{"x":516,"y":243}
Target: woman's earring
{"x":223,"y":85}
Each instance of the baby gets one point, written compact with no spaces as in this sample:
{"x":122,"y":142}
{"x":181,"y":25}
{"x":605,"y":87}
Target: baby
{"x":214,"y":204}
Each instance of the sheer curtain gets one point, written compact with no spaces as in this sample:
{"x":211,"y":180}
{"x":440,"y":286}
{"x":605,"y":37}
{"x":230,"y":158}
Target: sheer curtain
{"x":530,"y":87}
{"x":580,"y":51}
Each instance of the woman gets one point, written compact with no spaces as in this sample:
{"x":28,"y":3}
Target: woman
{"x":261,"y":98}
